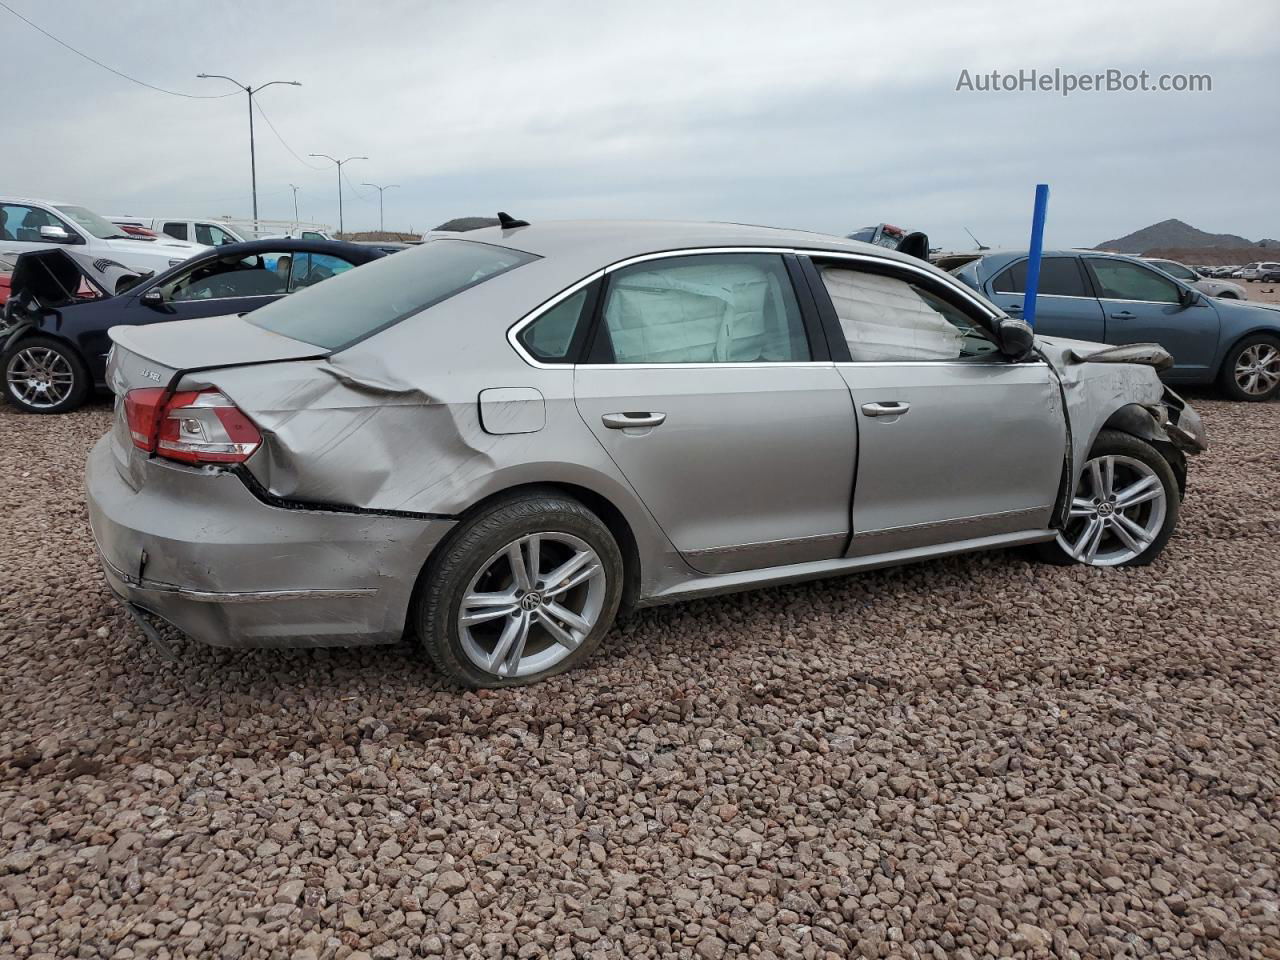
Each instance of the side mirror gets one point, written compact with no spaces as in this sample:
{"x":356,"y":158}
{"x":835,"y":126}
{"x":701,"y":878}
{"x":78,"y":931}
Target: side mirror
{"x":1016,"y":338}
{"x":1188,"y":297}
{"x":153,"y":298}
{"x":54,"y":234}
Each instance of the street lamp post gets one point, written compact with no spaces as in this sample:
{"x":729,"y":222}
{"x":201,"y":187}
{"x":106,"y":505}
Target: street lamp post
{"x":339,"y":163}
{"x":253,"y":165}
{"x":382,"y":228}
{"x":294,"y":188}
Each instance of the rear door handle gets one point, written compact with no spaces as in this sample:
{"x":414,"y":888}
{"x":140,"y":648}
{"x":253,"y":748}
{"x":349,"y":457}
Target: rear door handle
{"x":621,"y":421}
{"x":895,"y":408}
{"x":1123,"y":315}
{"x":1013,"y":308}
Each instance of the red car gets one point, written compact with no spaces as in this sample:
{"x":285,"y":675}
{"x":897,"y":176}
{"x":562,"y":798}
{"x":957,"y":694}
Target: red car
{"x":6,"y":277}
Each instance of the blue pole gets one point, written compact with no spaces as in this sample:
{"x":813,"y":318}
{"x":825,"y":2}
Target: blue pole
{"x":1033,"y":260}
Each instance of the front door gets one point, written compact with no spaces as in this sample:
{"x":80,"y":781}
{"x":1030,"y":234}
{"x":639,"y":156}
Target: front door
{"x":1142,"y":305}
{"x":954,"y":441}
{"x":703,"y":390}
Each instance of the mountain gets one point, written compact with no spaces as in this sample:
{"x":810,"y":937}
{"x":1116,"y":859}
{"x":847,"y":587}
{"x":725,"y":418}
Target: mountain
{"x":1173,"y":234}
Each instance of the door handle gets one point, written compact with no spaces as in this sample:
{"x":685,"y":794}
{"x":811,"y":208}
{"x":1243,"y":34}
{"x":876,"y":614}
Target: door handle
{"x":894,"y":408}
{"x":621,"y":421}
{"x":1123,"y":315}
{"x":1013,"y":308}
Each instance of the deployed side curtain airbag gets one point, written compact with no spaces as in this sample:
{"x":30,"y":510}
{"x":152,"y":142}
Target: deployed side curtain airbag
{"x":885,"y":319}
{"x":713,"y":313}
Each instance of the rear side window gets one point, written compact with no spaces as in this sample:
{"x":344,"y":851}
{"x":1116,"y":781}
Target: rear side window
{"x":1059,"y":277}
{"x":176,"y":230}
{"x":359,"y":303}
{"x":714,"y":308}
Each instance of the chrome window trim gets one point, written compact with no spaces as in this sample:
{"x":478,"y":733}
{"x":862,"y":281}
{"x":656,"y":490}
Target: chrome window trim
{"x":987,"y":309}
{"x":1059,"y":296}
{"x":972,"y":362}
{"x":1163,"y":303}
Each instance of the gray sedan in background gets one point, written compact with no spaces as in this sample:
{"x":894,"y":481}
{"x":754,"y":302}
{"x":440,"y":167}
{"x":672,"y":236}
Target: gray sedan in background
{"x":495,"y":442}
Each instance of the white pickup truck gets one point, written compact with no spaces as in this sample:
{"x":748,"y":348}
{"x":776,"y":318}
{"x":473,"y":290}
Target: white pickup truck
{"x":207,"y":233}
{"x":100,"y":246}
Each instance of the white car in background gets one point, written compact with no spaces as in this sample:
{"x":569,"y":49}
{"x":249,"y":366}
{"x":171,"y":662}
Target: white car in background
{"x":98,"y":245}
{"x":1213,"y":288}
{"x":204,"y":232}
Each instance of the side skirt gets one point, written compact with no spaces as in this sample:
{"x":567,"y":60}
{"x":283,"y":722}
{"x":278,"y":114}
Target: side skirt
{"x":818,"y":569}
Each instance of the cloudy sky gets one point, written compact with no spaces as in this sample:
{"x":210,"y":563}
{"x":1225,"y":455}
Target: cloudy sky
{"x":823,"y":115}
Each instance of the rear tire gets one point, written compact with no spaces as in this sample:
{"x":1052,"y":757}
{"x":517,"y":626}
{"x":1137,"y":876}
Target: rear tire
{"x":1251,"y":369}
{"x":1124,"y":508}
{"x":523,"y":591}
{"x":44,"y":375}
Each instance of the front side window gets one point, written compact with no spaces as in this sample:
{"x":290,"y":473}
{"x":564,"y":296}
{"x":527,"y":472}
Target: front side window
{"x":1122,"y":280}
{"x":22,"y":223}
{"x":1176,"y":270}
{"x":175,"y":229}
{"x":1059,"y":277}
{"x":885,"y":319}
{"x":227,"y":277}
{"x":363,"y":302}
{"x":211,"y":236}
{"x":714,"y":308}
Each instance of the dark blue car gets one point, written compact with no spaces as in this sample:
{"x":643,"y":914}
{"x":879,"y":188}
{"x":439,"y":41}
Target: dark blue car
{"x":53,"y":338}
{"x":1108,"y":298}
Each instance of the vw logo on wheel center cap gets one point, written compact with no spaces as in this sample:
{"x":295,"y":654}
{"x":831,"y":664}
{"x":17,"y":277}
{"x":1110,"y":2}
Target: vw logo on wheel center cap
{"x":531,"y":600}
{"x":1105,"y":509}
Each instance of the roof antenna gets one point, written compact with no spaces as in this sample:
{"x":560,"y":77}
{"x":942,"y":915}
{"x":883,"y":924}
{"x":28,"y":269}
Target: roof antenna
{"x":975,"y":239}
{"x":508,"y":222}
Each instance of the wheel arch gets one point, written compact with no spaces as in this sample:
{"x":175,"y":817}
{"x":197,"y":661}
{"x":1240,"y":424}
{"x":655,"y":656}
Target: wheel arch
{"x":1229,"y":344}
{"x":1137,"y":421}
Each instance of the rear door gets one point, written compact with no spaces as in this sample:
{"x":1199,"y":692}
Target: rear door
{"x":955,"y":442}
{"x":1065,"y":304}
{"x":730,"y":424}
{"x":1143,"y":305}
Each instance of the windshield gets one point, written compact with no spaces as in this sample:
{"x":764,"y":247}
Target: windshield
{"x":359,"y":303}
{"x":91,"y":223}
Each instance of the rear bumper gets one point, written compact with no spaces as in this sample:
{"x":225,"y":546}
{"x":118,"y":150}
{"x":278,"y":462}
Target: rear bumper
{"x":198,"y":550}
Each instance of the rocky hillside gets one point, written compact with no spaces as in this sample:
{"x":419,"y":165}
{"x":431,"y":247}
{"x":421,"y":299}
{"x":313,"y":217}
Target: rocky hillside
{"x":1174,"y":235}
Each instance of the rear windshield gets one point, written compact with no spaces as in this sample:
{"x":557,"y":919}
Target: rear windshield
{"x":361,"y":302}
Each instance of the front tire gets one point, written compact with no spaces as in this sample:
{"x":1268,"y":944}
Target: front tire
{"x":1251,"y":369}
{"x":520,"y":592}
{"x":44,"y":375}
{"x":1124,"y":508}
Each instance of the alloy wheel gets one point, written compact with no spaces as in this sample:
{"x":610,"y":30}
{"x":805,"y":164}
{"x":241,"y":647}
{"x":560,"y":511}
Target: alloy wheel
{"x":531,"y":604}
{"x":1258,"y":368}
{"x":40,"y":377}
{"x":1116,"y":513}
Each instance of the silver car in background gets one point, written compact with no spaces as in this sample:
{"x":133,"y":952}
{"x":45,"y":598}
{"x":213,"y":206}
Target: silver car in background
{"x":496,"y":441}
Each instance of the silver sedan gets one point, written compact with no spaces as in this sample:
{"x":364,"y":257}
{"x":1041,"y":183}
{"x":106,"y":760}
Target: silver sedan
{"x":495,"y":442}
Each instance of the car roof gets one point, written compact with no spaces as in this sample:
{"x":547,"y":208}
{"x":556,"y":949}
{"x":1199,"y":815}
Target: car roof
{"x":288,"y":245}
{"x":47,"y":203}
{"x":607,"y":241}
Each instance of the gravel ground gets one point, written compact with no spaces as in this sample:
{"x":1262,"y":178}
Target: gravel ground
{"x":973,"y":757}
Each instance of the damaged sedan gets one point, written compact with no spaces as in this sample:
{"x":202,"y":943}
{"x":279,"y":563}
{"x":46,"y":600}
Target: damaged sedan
{"x":495,"y":442}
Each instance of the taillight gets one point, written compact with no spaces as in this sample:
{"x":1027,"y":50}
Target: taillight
{"x":190,"y":426}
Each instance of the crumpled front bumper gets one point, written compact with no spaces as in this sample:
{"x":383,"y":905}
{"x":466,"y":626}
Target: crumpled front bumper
{"x":197,"y":549}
